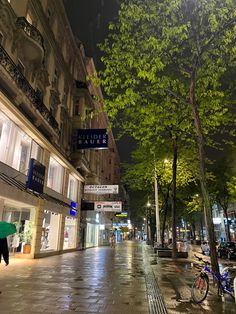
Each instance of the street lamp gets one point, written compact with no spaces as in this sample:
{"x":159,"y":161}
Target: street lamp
{"x":158,"y":231}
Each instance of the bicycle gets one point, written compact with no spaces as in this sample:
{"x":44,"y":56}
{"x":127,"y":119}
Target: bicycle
{"x":200,"y":285}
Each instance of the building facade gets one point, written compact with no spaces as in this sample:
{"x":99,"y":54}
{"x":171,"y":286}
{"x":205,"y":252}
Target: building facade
{"x":44,"y":98}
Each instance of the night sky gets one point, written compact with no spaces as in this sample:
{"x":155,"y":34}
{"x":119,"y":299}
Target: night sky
{"x":89,"y":21}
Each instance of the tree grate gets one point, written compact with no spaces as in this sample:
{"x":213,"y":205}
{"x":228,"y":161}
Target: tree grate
{"x":155,"y":299}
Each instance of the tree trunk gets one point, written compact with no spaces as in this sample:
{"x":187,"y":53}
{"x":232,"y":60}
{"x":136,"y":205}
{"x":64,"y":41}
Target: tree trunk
{"x":200,"y":143}
{"x":227,"y":229}
{"x":164,"y":218}
{"x":174,"y":171}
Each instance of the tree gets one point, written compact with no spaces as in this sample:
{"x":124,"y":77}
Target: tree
{"x":222,"y":185}
{"x":172,"y":51}
{"x":140,"y":174}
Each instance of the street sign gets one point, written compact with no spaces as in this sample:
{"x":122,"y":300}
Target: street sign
{"x":108,"y":206}
{"x":101,"y":189}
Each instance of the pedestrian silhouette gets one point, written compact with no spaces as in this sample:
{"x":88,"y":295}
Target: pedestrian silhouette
{"x":4,"y":251}
{"x":112,"y":240}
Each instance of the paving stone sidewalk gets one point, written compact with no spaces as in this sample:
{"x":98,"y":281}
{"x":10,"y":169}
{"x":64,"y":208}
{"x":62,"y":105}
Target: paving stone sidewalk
{"x":99,"y":280}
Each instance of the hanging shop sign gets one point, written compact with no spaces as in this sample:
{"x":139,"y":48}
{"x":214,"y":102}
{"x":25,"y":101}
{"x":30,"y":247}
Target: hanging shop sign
{"x":73,"y":212}
{"x":73,"y":205}
{"x":123,"y":214}
{"x":92,"y":138}
{"x":108,"y":206}
{"x":36,"y":176}
{"x":101,"y":189}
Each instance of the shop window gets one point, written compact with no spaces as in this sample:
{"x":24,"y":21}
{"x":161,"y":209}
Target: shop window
{"x":23,"y":218}
{"x":72,"y":188}
{"x":24,"y":154}
{"x":16,"y":146}
{"x":55,"y":175}
{"x":36,"y":151}
{"x":69,"y":233}
{"x":50,"y":231}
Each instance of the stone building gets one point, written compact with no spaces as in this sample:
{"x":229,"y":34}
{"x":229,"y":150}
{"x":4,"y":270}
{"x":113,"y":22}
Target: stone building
{"x":44,"y":99}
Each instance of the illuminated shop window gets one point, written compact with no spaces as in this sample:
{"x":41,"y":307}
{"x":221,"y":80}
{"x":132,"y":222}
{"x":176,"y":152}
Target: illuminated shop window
{"x":16,"y":146}
{"x":72,"y":188}
{"x":50,"y":231}
{"x":70,"y":233}
{"x":55,"y":175}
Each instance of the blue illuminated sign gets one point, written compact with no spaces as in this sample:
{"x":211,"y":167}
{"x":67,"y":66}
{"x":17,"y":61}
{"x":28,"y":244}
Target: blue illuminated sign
{"x":36,"y":175}
{"x":73,"y":205}
{"x":73,"y":212}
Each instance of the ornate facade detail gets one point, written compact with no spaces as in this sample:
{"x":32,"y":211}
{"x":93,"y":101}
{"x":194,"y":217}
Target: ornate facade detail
{"x":21,"y":82}
{"x":54,"y":101}
{"x":30,"y":30}
{"x":42,"y":76}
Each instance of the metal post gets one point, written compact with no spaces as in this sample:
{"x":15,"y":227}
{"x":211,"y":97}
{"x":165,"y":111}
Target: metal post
{"x":158,"y":233}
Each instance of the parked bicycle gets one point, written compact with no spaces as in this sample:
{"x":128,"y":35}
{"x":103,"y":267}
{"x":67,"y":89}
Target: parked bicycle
{"x":200,"y":285}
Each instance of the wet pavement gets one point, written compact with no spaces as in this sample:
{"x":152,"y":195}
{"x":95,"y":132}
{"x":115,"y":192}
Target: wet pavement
{"x":103,"y":280}
{"x":175,"y":278}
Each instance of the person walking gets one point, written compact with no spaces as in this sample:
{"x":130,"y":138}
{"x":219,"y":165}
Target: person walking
{"x":112,"y":240}
{"x":4,"y":252}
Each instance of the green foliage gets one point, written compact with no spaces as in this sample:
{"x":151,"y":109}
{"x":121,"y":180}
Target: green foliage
{"x":149,"y":57}
{"x":27,"y":235}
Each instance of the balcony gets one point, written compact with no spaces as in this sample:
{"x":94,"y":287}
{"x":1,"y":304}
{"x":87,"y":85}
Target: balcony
{"x":31,"y":43}
{"x":21,"y":82}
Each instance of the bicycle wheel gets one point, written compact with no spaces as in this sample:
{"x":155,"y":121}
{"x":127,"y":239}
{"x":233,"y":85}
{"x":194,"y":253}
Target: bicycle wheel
{"x":200,"y":288}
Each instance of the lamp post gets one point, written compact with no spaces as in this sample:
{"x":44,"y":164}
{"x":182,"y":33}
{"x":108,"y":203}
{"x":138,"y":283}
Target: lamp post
{"x":158,"y":231}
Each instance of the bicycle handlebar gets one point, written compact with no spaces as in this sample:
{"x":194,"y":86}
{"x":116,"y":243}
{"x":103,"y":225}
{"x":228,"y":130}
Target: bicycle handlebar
{"x":202,"y":260}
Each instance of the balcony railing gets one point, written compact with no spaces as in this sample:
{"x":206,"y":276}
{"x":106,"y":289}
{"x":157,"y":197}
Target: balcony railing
{"x":27,"y":89}
{"x":30,"y":30}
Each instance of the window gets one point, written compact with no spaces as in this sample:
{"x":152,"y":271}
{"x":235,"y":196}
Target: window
{"x":16,"y":146}
{"x":72,"y":188}
{"x":55,"y":175}
{"x":36,"y":151}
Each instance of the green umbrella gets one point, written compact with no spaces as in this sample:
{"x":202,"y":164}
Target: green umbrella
{"x":6,"y":229}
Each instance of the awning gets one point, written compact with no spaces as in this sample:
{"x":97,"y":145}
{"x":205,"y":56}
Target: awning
{"x":22,"y":186}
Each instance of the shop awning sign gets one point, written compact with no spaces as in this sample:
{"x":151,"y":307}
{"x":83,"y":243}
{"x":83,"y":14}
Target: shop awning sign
{"x":92,"y":138}
{"x":36,"y":176}
{"x":108,"y":206}
{"x":101,"y":189}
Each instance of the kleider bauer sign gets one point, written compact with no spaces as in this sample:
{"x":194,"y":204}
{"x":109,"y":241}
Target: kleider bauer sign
{"x":36,"y":175}
{"x":92,"y":138}
{"x":101,"y":189}
{"x":108,"y":206}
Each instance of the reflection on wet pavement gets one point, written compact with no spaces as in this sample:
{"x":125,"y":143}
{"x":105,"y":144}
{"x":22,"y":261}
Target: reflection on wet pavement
{"x":101,"y":280}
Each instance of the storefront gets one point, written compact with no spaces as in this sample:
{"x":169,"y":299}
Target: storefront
{"x":24,"y":219}
{"x":70,"y":233}
{"x":50,"y":231}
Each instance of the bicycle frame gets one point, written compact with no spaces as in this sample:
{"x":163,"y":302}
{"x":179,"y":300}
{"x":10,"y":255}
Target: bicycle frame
{"x":220,"y":280}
